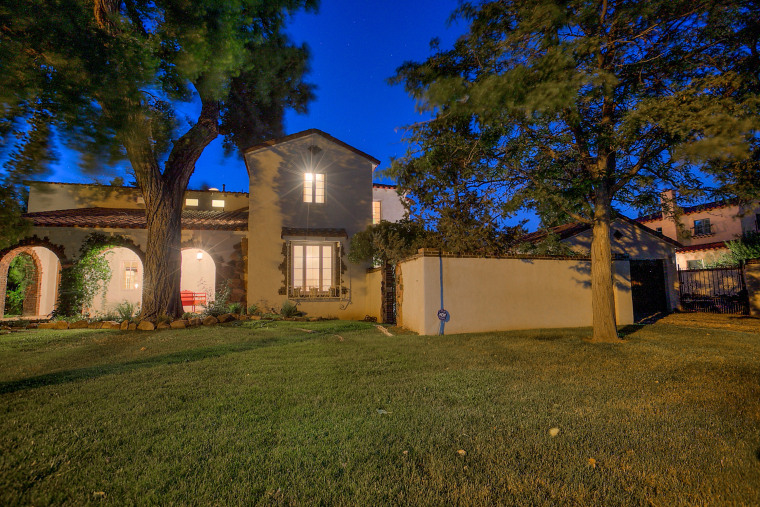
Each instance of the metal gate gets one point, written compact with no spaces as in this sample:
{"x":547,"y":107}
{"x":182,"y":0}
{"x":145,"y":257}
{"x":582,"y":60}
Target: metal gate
{"x":716,"y":290}
{"x":388,"y":288}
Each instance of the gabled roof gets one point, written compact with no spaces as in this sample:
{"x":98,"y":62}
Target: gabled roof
{"x":305,"y":133}
{"x":124,"y":187}
{"x":322,"y":233}
{"x":574,"y":228}
{"x":125,"y":218}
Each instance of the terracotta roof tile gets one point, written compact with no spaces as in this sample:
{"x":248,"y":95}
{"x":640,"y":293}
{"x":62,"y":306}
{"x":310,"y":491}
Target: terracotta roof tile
{"x":705,"y":246}
{"x":383,"y":185}
{"x":123,"y":218}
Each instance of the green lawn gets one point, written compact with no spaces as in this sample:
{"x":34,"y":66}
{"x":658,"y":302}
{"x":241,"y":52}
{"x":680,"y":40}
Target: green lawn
{"x":268,"y":413}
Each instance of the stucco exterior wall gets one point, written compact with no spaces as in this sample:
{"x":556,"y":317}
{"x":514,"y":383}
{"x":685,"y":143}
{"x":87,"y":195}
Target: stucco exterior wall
{"x":706,"y":256}
{"x":374,"y":294}
{"x":638,"y":244}
{"x":276,"y":188}
{"x":48,"y":278}
{"x":483,"y":294}
{"x":391,"y":204}
{"x":727,"y":223}
{"x":115,"y":292}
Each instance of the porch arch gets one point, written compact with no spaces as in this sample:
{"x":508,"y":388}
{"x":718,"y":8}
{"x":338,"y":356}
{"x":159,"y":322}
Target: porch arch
{"x":198,"y":273}
{"x":42,"y":290}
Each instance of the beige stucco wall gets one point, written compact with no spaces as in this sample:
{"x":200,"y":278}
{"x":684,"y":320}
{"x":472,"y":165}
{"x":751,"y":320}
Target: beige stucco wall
{"x":706,"y":256}
{"x":49,"y":279}
{"x":276,"y":189}
{"x":115,"y":293}
{"x":46,"y":196}
{"x":198,"y":275}
{"x":391,"y":204}
{"x":500,"y":294}
{"x":374,"y":297}
{"x":638,"y":244}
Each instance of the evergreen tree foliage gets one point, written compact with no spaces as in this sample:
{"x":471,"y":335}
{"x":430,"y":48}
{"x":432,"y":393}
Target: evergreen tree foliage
{"x":387,"y":242}
{"x":583,"y":105}
{"x":111,"y":78}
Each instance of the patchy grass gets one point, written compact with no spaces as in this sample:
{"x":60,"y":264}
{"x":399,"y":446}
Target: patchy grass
{"x":268,"y":413}
{"x":714,"y":321}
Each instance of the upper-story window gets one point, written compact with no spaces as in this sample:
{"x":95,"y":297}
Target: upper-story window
{"x":217,"y":203}
{"x":191,"y":202}
{"x":702,"y":227}
{"x":376,"y":206}
{"x":313,"y":187}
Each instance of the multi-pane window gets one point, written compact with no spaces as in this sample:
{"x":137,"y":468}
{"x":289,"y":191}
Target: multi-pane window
{"x":702,"y":227}
{"x":376,"y":212}
{"x":312,"y":272}
{"x":217,"y":203}
{"x":314,"y":187}
{"x":695,"y":264}
{"x":191,"y":202}
{"x":130,"y":275}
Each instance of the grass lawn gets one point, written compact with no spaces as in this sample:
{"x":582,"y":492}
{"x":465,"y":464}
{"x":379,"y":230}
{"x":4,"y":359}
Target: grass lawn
{"x":268,"y":413}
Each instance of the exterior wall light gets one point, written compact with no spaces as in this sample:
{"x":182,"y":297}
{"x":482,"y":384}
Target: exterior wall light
{"x":199,"y":255}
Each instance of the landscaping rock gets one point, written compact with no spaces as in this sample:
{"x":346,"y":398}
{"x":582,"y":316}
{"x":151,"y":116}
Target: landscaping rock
{"x":254,"y":317}
{"x":60,"y":324}
{"x":179,"y":324}
{"x":46,"y":325}
{"x":124,"y":325}
{"x":163,"y":325}
{"x":33,"y":325}
{"x":146,"y":325}
{"x":80,"y":324}
{"x":94,"y":325}
{"x":226,"y":317}
{"x":111,"y":324}
{"x":195,"y":322}
{"x":210,"y":320}
{"x":132,"y":326}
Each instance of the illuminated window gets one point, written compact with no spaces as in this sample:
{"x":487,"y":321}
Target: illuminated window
{"x":191,"y":202}
{"x":217,"y":203}
{"x":312,"y":273}
{"x":313,"y":187}
{"x":130,"y":275}
{"x":375,"y":212}
{"x":695,"y":264}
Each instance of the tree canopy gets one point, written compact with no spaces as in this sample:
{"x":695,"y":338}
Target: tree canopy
{"x":584,"y":105}
{"x":118,"y":80}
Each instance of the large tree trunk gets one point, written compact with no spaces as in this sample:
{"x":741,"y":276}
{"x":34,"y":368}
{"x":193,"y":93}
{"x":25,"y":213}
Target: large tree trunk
{"x":602,"y":294}
{"x":163,"y":257}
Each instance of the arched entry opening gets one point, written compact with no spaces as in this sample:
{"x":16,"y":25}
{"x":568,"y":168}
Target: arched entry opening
{"x":125,"y":284}
{"x":28,"y":281}
{"x":198,"y":278}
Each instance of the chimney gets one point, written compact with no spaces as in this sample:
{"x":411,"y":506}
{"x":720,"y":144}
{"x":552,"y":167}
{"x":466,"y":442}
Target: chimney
{"x":668,"y":201}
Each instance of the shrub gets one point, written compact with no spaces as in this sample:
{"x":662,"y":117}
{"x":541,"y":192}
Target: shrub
{"x":289,"y":309}
{"x":218,"y":305}
{"x":252,"y":310}
{"x":235,"y":308}
{"x":126,"y":310}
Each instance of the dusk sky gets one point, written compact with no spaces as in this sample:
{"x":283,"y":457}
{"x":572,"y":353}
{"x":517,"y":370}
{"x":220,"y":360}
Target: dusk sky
{"x":355,"y":47}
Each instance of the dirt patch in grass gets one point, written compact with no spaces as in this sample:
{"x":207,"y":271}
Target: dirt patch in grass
{"x":743,"y":323}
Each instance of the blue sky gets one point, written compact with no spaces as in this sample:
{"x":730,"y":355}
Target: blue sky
{"x":355,"y":47}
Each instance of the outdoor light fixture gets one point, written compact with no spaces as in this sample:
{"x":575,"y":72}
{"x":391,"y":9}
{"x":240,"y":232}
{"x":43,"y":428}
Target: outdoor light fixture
{"x":137,"y":285}
{"x":199,"y":255}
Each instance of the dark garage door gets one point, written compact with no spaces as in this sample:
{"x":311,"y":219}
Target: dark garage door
{"x":648,"y":288}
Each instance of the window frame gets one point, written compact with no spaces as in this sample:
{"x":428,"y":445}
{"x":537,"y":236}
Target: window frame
{"x":322,"y":292}
{"x":702,"y":227}
{"x":313,"y":188}
{"x":379,"y":205}
{"x":130,"y":267}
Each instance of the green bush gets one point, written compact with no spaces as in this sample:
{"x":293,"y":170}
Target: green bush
{"x":20,"y":274}
{"x":252,"y":310}
{"x":235,"y":308}
{"x":218,"y":305}
{"x":289,"y":309}
{"x":126,"y":310}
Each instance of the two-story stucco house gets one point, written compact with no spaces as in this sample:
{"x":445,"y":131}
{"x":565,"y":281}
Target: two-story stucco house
{"x":287,"y":238}
{"x":703,"y":229}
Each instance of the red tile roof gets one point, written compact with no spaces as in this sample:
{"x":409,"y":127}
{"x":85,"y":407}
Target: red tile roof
{"x":383,"y":185}
{"x":123,"y":218}
{"x":298,"y":135}
{"x":706,"y":246}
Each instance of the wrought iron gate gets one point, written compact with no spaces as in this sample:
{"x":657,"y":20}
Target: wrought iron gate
{"x":716,"y":290}
{"x":388,"y":288}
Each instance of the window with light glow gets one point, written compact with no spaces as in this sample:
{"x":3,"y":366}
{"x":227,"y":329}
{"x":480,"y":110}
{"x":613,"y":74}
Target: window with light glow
{"x":130,"y":275}
{"x":217,"y":203}
{"x":375,"y":212}
{"x":191,"y":202}
{"x":312,"y":272}
{"x":314,"y":187}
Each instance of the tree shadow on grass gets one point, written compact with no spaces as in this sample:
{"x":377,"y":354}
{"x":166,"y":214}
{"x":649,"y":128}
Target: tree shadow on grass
{"x":184,"y":356}
{"x":625,"y":332}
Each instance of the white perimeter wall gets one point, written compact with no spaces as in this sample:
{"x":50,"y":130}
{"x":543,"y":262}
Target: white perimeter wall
{"x":500,"y":294}
{"x":49,"y":279}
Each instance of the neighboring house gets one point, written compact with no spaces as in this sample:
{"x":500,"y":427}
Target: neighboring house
{"x":654,"y":278}
{"x":703,"y":229}
{"x":285,"y":239}
{"x":386,"y":203}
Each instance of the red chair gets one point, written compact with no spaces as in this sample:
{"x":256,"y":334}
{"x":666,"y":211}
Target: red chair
{"x":190,"y":298}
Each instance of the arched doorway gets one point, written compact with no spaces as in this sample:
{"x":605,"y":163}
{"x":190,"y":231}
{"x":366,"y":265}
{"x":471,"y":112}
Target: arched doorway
{"x":198,"y":278}
{"x":125,"y":285}
{"x":29,"y":281}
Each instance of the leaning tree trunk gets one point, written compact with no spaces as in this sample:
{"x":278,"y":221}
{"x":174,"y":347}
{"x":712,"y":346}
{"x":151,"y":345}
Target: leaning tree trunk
{"x":163,"y":256}
{"x":602,"y":294}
